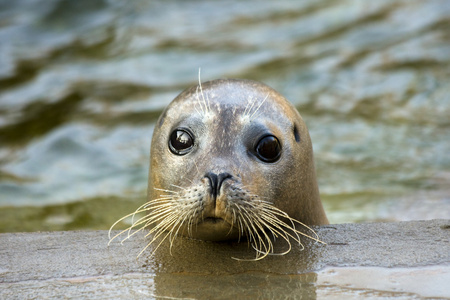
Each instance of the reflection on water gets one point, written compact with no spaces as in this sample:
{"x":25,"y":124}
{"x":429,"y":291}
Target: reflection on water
{"x":238,"y":286}
{"x":333,"y":283}
{"x":81,"y":83}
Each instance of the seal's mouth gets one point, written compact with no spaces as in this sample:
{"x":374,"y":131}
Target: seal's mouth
{"x":213,"y":220}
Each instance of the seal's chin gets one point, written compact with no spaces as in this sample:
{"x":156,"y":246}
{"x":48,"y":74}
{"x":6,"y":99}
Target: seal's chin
{"x":213,"y":229}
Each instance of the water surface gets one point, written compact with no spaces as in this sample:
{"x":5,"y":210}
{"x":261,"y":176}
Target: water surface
{"x":82,"y":83}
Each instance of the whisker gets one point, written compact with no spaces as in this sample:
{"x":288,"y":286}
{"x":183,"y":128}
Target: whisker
{"x":199,"y":101}
{"x":283,"y":214}
{"x":261,"y":229}
{"x":259,"y":106}
{"x":251,"y":103}
{"x":156,"y":248}
{"x":260,"y":217}
{"x":164,"y":190}
{"x":178,"y":186}
{"x":256,"y":219}
{"x":201,"y":91}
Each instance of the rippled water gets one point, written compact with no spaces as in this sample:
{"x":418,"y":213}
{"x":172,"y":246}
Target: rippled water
{"x":81,"y":83}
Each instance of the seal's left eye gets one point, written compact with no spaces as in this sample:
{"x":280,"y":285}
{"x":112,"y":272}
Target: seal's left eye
{"x":181,"y":141}
{"x":268,"y":149}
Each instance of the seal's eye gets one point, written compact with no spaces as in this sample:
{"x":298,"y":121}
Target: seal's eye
{"x":181,"y":141}
{"x":268,"y":149}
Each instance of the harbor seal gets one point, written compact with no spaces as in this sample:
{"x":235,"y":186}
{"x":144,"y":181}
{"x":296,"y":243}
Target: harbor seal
{"x":231,"y":159}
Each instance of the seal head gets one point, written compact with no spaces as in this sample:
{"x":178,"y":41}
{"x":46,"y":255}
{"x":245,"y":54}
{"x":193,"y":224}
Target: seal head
{"x":228,"y":157}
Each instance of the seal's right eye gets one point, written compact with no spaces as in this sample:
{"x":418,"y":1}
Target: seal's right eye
{"x":181,"y":141}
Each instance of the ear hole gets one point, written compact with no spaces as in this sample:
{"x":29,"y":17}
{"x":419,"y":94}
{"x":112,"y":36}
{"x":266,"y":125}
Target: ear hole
{"x":296,"y":134}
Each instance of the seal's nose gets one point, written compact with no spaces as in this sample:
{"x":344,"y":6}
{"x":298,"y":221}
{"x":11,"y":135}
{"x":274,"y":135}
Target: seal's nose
{"x":215,"y":182}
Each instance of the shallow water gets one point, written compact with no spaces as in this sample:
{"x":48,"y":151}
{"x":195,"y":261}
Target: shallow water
{"x":81,"y":83}
{"x":331,"y":283}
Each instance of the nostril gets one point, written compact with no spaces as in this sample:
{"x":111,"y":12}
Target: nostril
{"x":215,"y":181}
{"x":221,"y":178}
{"x":212,"y":182}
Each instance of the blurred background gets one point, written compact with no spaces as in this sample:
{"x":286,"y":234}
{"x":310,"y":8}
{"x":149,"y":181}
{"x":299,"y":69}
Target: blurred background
{"x":82,"y":83}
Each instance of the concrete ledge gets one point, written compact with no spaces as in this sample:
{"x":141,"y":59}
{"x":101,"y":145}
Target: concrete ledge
{"x":80,"y":264}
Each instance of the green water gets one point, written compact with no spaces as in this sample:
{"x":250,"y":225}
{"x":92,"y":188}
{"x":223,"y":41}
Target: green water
{"x":82,"y":82}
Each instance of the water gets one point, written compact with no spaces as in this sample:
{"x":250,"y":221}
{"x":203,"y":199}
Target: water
{"x":82,"y":82}
{"x":333,"y":283}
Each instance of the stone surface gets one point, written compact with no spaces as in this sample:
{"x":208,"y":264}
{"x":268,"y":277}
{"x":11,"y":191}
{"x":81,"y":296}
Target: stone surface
{"x":81,"y":264}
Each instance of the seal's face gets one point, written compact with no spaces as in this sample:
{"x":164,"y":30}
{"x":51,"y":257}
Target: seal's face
{"x":231,"y":158}
{"x":226,"y":146}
